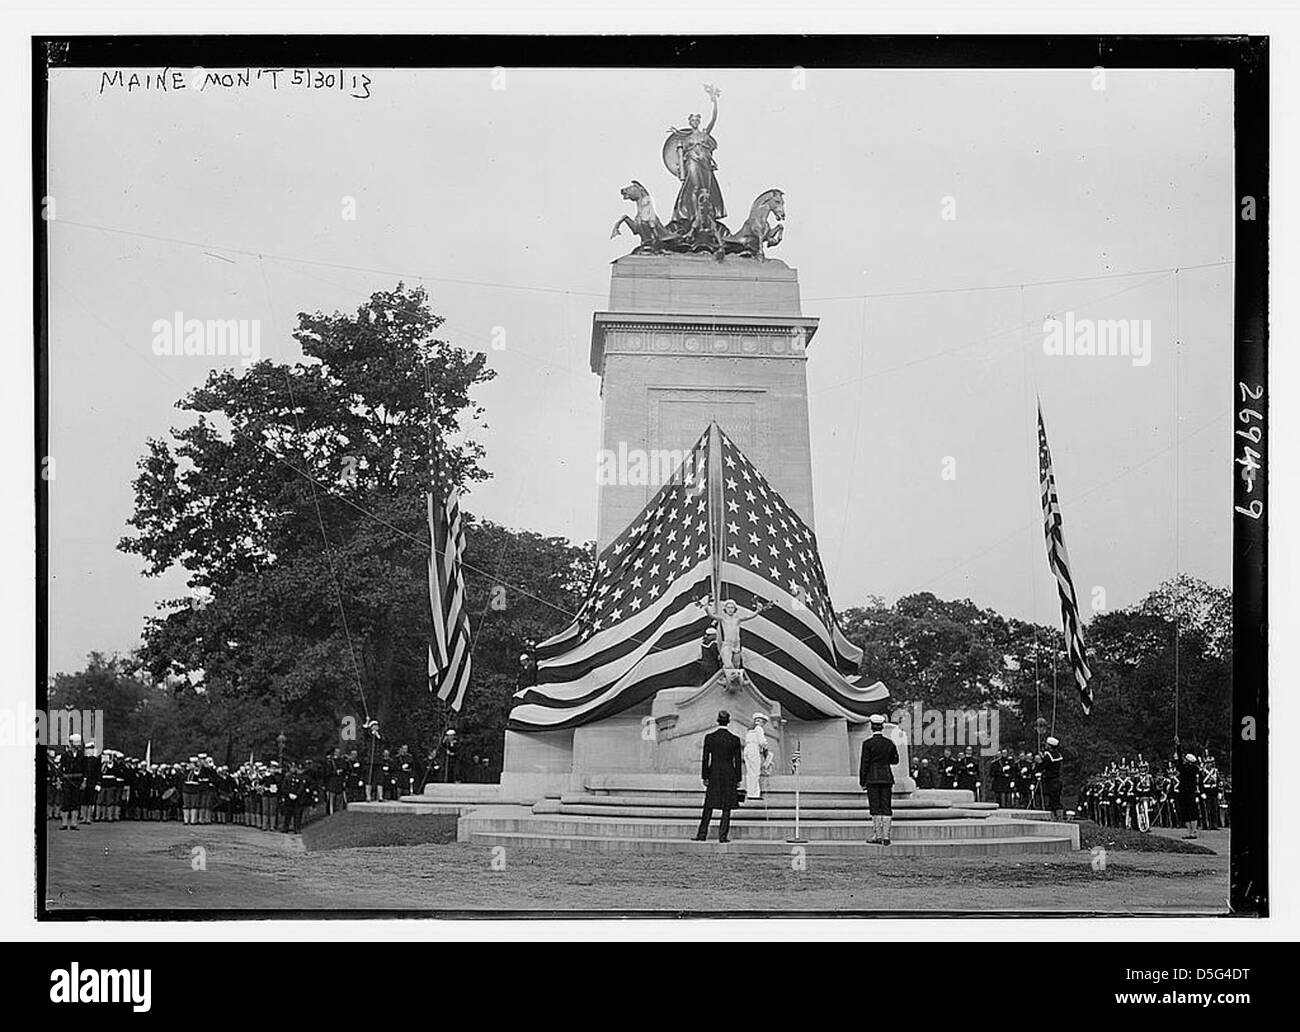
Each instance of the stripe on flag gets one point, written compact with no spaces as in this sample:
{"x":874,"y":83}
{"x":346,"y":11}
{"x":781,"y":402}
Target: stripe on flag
{"x":449,"y":645}
{"x":1059,"y":562}
{"x":638,"y":630}
{"x":794,"y":651}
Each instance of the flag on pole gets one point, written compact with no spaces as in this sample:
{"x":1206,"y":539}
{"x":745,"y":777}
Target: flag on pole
{"x":1059,"y":562}
{"x":639,"y":629}
{"x":793,"y":650}
{"x":449,"y":645}
{"x":148,"y":754}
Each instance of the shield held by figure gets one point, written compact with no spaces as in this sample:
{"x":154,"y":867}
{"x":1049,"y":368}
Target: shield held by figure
{"x":673,"y":153}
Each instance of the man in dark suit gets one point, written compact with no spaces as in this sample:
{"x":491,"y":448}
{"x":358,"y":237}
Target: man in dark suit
{"x":876,"y":776}
{"x":924,"y":775}
{"x":710,"y":662}
{"x":72,"y":780}
{"x":720,"y":771}
{"x":948,"y":770}
{"x":336,"y":780}
{"x":90,"y":800}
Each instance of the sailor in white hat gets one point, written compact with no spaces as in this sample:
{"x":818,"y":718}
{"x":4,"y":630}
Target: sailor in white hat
{"x":1189,"y":794}
{"x":1050,"y":770}
{"x":91,"y":803}
{"x":757,"y":756}
{"x":876,"y":776}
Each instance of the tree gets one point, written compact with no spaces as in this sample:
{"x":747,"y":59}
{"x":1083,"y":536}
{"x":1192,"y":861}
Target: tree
{"x":944,"y":655}
{"x":295,"y":502}
{"x":108,"y":684}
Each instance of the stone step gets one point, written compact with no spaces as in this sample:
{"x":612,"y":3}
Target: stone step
{"x":752,"y":813}
{"x":455,"y":792}
{"x":835,"y":785}
{"x":621,"y":784}
{"x":935,"y":847}
{"x":608,"y":827}
{"x":412,"y":805}
{"x":773,"y":800}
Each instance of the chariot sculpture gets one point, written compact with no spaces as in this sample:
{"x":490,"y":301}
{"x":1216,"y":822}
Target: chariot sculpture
{"x":696,"y":222}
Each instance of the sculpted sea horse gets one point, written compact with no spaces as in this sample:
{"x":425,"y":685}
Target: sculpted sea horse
{"x":646,"y":223}
{"x":762,"y":229}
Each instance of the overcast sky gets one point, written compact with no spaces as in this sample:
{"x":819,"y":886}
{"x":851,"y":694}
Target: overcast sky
{"x":500,"y":202}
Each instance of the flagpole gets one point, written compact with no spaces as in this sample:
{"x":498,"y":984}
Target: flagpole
{"x":715,"y":508}
{"x":435,"y":456}
{"x":794,"y":762}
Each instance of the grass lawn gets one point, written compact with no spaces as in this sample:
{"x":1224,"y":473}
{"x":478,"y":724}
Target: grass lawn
{"x":353,"y":829}
{"x":1163,"y":840}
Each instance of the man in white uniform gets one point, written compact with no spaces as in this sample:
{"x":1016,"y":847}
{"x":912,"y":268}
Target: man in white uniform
{"x":757,"y":756}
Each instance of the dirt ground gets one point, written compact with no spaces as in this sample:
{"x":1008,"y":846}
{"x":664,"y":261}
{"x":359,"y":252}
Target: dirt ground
{"x":144,"y":866}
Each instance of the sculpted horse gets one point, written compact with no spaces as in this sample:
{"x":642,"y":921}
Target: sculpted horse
{"x":762,"y":229}
{"x":646,"y":223}
{"x":759,"y":230}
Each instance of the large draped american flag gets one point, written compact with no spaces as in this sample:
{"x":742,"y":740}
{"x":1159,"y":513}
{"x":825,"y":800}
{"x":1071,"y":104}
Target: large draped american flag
{"x":1059,"y":561}
{"x":639,"y":630}
{"x":449,"y":644}
{"x":794,"y":651}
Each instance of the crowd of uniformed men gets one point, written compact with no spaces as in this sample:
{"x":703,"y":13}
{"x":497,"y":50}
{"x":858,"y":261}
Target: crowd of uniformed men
{"x":1188,"y":791}
{"x":1010,"y":779}
{"x":84,"y":785}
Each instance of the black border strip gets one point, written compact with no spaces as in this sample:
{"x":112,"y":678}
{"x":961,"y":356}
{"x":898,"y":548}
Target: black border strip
{"x":1249,"y":843}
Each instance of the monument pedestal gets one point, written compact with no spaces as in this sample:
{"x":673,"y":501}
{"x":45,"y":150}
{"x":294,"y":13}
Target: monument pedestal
{"x":537,"y":764}
{"x":688,"y":339}
{"x":666,"y":736}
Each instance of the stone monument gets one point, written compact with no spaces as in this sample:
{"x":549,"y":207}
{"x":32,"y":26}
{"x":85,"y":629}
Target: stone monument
{"x":702,"y":327}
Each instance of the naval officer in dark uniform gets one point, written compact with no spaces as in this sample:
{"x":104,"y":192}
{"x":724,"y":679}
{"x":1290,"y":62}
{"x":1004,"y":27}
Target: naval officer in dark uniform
{"x":876,"y":776}
{"x":337,"y":771}
{"x":720,"y":771}
{"x":1053,"y":761}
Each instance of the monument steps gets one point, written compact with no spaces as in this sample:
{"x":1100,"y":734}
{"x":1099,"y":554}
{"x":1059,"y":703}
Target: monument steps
{"x":753,"y":813}
{"x":414,"y":805}
{"x":958,"y":835}
{"x":769,"y":801}
{"x":949,"y":847}
{"x":470,"y":792}
{"x":658,"y":813}
{"x":614,"y":827}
